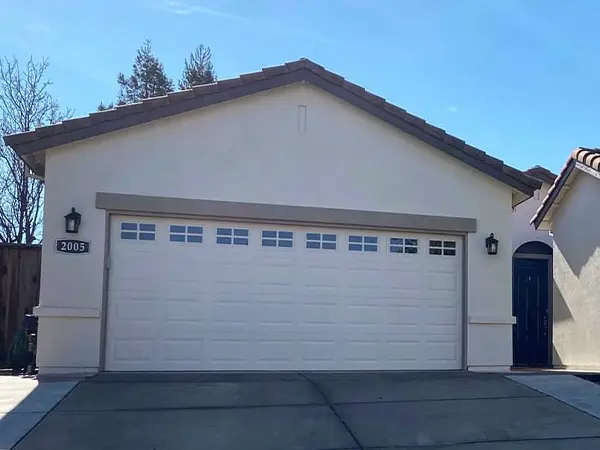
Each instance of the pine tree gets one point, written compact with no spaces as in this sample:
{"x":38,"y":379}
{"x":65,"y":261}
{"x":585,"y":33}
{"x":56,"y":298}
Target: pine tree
{"x":148,"y":78}
{"x":104,"y":107}
{"x":198,"y":69}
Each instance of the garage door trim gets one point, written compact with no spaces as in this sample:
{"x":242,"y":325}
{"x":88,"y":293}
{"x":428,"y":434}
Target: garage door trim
{"x":114,"y":202}
{"x":219,"y":210}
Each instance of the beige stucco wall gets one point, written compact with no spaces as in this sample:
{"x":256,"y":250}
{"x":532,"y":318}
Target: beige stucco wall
{"x":522,"y":230}
{"x":253,"y":150}
{"x":576,"y":228}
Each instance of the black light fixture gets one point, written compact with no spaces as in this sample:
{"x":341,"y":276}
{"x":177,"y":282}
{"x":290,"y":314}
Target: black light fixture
{"x":491,"y":243}
{"x":72,"y":221}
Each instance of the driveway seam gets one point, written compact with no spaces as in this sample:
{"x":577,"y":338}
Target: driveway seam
{"x":492,"y":441}
{"x":189,"y":408}
{"x":278,"y":405}
{"x":432,"y":400}
{"x":333,"y":410}
{"x":44,"y":416}
{"x":563,"y":401}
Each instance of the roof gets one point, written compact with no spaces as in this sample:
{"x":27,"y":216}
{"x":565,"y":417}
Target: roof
{"x":302,"y":70}
{"x":542,"y":174}
{"x":584,"y":159}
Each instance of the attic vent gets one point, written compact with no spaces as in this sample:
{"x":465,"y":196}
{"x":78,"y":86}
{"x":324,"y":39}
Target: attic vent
{"x":302,"y":119}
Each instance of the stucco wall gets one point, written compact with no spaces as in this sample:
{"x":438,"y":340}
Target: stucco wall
{"x":522,"y":230}
{"x":576,"y":227}
{"x":252,"y":150}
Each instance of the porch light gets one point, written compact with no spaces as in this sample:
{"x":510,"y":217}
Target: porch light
{"x":72,"y":221}
{"x":491,"y":244}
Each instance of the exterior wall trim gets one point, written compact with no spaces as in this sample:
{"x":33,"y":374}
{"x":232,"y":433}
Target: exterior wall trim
{"x":587,"y":170}
{"x":465,"y":304}
{"x":66,"y":312}
{"x":142,"y":204}
{"x":493,"y":320}
{"x":105,"y":275}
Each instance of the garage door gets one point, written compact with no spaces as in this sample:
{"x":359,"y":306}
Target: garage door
{"x":199,"y":295}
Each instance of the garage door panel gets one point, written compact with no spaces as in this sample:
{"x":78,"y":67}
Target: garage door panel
{"x":134,"y":311}
{"x":210,"y":306}
{"x":183,"y":350}
{"x":442,"y":351}
{"x":441,"y":315}
{"x":231,"y":313}
{"x":184,"y":310}
{"x":181,"y":331}
{"x":133,"y":350}
{"x":319,"y":313}
{"x":134,"y":331}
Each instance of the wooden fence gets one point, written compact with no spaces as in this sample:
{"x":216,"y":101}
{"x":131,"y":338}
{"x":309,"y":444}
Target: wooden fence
{"x":19,"y":288}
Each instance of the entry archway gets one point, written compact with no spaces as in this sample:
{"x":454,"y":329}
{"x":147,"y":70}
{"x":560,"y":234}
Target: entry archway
{"x":532,"y":305}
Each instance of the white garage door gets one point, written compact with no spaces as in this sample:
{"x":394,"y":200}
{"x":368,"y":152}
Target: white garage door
{"x":199,"y":295}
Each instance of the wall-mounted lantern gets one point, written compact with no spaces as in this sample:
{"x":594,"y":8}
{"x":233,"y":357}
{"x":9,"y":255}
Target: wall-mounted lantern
{"x":491,"y":244}
{"x":72,"y":221}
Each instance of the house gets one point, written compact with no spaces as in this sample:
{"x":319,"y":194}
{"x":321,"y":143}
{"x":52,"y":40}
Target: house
{"x":532,"y":279}
{"x":287,"y":219}
{"x":571,"y":211}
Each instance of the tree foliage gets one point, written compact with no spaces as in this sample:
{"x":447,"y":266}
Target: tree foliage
{"x":198,"y":68}
{"x":25,"y":103}
{"x":148,"y":78}
{"x":105,"y":107}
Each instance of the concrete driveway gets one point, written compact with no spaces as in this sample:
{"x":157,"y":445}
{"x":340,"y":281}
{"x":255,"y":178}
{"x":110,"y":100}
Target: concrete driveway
{"x":311,"y":411}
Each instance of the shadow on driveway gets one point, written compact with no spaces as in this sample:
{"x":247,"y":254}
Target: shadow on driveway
{"x":312,"y":411}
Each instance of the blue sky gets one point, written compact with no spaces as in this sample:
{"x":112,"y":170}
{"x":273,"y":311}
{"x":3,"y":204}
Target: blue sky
{"x":519,"y":79}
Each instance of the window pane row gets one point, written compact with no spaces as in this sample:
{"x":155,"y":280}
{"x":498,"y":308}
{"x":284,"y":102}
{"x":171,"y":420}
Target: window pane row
{"x":138,"y":231}
{"x":445,"y":248}
{"x":186,"y":233}
{"x":274,"y":238}
{"x":324,"y":241}
{"x":284,"y":239}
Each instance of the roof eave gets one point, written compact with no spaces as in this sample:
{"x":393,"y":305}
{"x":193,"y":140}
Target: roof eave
{"x":225,"y":90}
{"x":542,"y":215}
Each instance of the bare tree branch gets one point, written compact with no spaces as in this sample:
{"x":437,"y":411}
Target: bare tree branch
{"x":25,"y":103}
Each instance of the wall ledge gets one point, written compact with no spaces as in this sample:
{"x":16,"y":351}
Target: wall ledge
{"x":65,"y":373}
{"x":492,"y":320}
{"x":494,"y":369}
{"x":60,"y":311}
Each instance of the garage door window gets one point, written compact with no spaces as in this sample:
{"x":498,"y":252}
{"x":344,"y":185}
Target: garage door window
{"x":274,"y":238}
{"x":232,"y":236}
{"x":358,"y":243}
{"x":325,"y":241}
{"x":404,"y":245}
{"x":186,"y":233}
{"x":445,"y":248}
{"x":138,"y":231}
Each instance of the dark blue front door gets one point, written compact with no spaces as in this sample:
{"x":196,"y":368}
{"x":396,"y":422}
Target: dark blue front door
{"x":530,"y":307}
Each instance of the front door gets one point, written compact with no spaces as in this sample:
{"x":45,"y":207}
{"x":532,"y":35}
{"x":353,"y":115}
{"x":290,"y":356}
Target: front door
{"x":530,"y":307}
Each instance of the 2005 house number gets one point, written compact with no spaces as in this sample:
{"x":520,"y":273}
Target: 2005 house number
{"x":72,"y":246}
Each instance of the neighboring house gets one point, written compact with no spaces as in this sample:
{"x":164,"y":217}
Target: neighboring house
{"x":532,"y":269}
{"x":571,"y":211}
{"x":522,"y":229}
{"x":283,"y":220}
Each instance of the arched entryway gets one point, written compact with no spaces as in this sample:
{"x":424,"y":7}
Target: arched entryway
{"x":532,"y":305}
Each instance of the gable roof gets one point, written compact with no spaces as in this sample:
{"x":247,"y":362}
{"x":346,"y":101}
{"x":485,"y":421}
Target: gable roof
{"x":583,"y":159}
{"x":302,"y":70}
{"x":542,"y":174}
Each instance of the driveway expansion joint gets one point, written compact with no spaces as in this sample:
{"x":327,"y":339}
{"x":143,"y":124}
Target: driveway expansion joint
{"x":441,"y":445}
{"x":333,"y":410}
{"x":189,"y":408}
{"x":433,"y":400}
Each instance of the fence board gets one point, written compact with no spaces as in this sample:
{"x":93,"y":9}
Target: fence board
{"x":19,"y":288}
